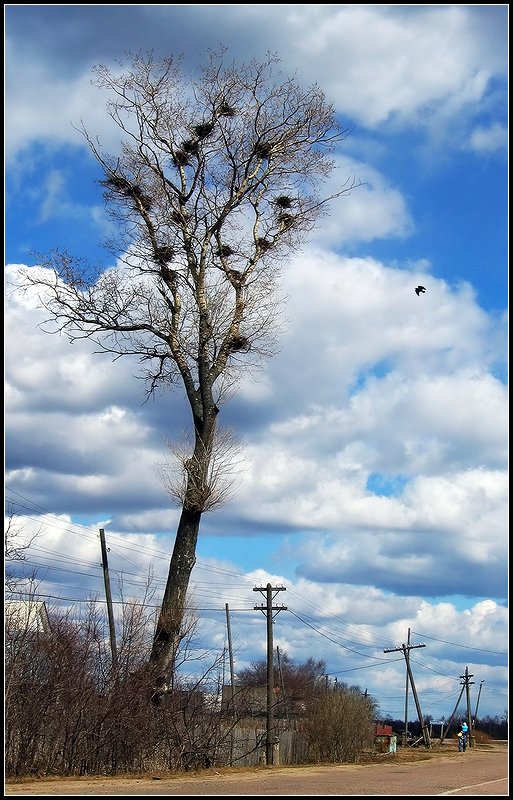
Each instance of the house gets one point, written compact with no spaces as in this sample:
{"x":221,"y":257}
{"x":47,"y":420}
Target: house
{"x":26,"y":615}
{"x":385,"y":740}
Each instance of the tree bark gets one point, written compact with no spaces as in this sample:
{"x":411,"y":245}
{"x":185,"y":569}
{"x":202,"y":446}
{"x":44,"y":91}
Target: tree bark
{"x":168,"y":630}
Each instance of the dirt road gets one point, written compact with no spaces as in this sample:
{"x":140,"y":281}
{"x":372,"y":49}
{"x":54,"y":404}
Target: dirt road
{"x":482,"y":771}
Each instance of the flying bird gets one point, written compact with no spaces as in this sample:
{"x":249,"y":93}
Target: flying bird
{"x":420,"y":289}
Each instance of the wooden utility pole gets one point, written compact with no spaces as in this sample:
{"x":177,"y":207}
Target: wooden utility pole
{"x":108,"y":596}
{"x":280,"y":672}
{"x":405,"y":734}
{"x":451,"y":717}
{"x":477,"y":704}
{"x":232,"y":680}
{"x":467,"y":684}
{"x":230,"y":655}
{"x":406,"y":653}
{"x":267,"y":610}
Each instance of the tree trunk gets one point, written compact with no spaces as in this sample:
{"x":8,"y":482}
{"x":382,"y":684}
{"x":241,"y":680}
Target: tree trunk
{"x":168,"y":631}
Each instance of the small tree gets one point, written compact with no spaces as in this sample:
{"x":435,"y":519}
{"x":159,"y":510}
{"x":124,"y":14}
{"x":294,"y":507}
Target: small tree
{"x":340,"y":726}
{"x":216,"y":182}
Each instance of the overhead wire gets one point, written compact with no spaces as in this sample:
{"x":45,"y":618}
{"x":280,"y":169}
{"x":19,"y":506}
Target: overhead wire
{"x":329,"y":627}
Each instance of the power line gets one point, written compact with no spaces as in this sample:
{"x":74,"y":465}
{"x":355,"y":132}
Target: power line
{"x":464,"y":646}
{"x":349,"y":649}
{"x":37,"y":595}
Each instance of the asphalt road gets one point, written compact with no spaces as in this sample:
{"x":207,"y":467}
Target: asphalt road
{"x":475,"y":772}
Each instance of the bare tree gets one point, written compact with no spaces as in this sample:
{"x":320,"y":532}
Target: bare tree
{"x":218,"y":179}
{"x":297,"y":680}
{"x":340,"y":726}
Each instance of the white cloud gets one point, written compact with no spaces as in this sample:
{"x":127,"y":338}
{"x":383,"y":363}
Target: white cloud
{"x":424,"y":65}
{"x":389,"y":64}
{"x":495,"y":137}
{"x":372,"y":210}
{"x":44,"y":107}
{"x":325,"y":418}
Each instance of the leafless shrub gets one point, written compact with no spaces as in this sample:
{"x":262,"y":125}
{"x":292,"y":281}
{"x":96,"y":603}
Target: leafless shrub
{"x":67,"y":712}
{"x":339,"y":726}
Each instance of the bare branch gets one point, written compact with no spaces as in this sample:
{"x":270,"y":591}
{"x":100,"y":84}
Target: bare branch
{"x":184,"y":476}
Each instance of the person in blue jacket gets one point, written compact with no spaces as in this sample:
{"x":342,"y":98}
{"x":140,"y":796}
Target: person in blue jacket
{"x":464,"y":734}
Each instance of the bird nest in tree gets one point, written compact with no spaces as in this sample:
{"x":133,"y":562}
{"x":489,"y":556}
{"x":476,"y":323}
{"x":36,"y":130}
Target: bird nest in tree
{"x":121,"y":185}
{"x":181,"y":158}
{"x":190,"y":146}
{"x":203,"y":129}
{"x":164,"y":254}
{"x":168,"y":275}
{"x":225,"y":109}
{"x":225,"y":250}
{"x":118,"y":183}
{"x":138,"y":194}
{"x":235,"y":276}
{"x":179,"y":216}
{"x":283,"y":201}
{"x":287,"y":220}
{"x":264,"y":244}
{"x":263,"y":149}
{"x":240,"y":343}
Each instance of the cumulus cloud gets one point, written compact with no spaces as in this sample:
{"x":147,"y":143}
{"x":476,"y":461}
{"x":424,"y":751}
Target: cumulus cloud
{"x":371,"y":398}
{"x":360,"y":55}
{"x":44,"y":107}
{"x":371,"y":210}
{"x":489,"y":139}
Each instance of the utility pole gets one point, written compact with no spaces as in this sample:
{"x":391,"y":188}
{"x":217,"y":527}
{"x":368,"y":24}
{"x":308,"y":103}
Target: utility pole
{"x":451,"y":717}
{"x":467,"y":684}
{"x":108,"y":596}
{"x":280,"y":672}
{"x":232,"y":679}
{"x":230,"y":655}
{"x":267,"y":610}
{"x":405,"y":735}
{"x":406,"y":653}
{"x":285,"y":704}
{"x":477,"y":704}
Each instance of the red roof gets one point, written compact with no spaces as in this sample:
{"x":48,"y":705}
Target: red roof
{"x":383,"y":730}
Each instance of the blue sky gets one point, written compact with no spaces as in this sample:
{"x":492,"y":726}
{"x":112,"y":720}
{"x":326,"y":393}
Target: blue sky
{"x":374,"y":477}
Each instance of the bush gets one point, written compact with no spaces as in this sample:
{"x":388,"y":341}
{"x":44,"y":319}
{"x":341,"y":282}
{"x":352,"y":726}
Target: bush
{"x":340,"y":726}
